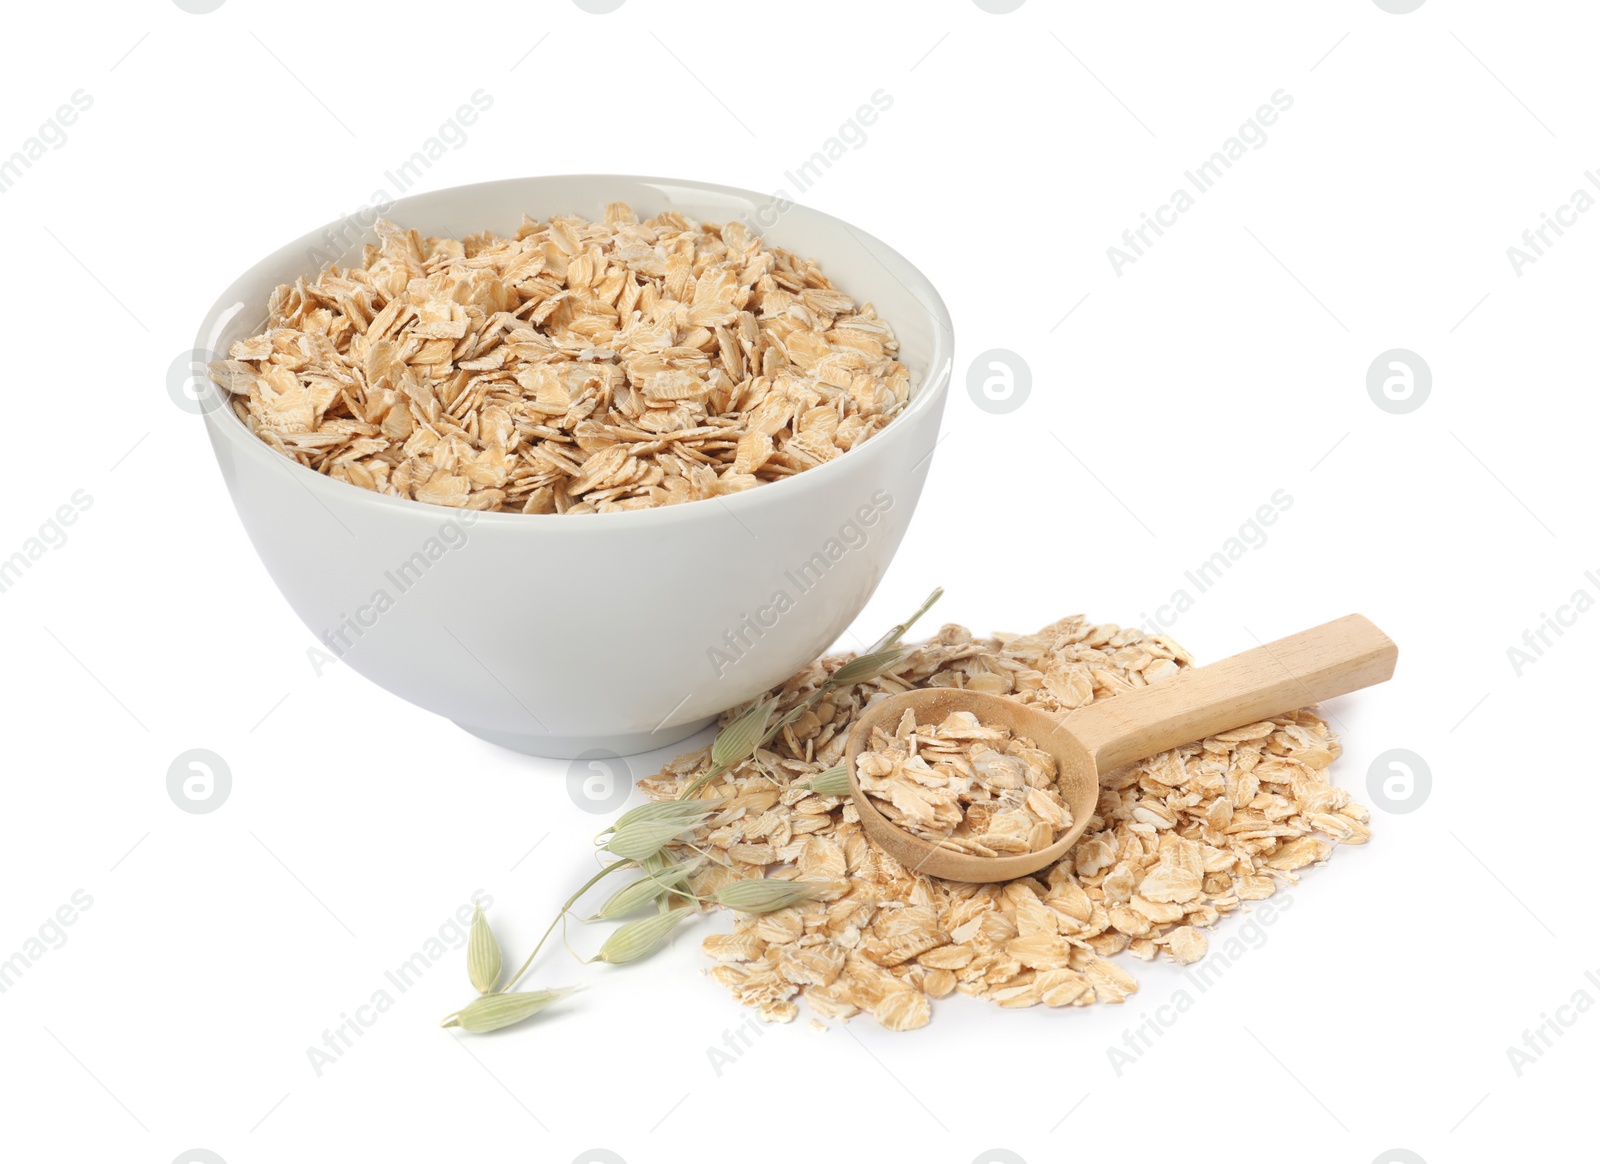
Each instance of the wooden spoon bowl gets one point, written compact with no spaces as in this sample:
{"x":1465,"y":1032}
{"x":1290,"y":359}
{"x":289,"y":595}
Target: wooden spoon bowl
{"x":1076,"y":779}
{"x":1333,"y":659}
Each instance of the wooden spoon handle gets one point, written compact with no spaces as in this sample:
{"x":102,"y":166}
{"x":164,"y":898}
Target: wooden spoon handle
{"x":1332,"y":659}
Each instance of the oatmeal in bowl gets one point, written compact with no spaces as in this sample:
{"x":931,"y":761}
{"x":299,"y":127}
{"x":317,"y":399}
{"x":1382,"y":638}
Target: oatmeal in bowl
{"x":573,"y":366}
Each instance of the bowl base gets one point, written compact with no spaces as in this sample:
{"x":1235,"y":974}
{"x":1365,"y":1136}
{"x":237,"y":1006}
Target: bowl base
{"x":572,"y":747}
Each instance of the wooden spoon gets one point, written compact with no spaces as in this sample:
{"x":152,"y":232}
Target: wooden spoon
{"x":1335,"y":658}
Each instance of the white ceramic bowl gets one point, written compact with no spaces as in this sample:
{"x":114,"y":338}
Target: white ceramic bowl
{"x":571,"y":635}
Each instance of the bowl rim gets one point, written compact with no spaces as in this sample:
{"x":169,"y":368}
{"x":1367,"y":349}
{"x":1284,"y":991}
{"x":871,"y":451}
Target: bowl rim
{"x":219,"y":417}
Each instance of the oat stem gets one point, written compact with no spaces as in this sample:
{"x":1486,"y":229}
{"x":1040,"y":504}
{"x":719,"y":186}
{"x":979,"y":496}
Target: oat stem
{"x":899,"y":632}
{"x":571,"y":901}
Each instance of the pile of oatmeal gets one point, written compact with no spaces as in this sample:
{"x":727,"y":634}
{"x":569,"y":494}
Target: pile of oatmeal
{"x":1178,"y":842}
{"x":967,"y":786}
{"x":578,"y":367}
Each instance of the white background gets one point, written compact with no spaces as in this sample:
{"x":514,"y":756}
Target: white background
{"x":1168,"y":403}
